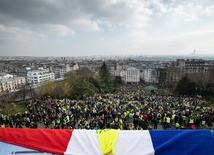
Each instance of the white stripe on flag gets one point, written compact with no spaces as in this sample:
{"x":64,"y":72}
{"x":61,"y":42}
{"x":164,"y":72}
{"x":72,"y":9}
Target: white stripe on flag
{"x":84,"y":142}
{"x":136,"y":142}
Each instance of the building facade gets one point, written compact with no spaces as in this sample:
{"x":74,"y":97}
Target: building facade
{"x":192,"y":68}
{"x":132,"y":75}
{"x":11,"y":84}
{"x":5,"y":76}
{"x":61,"y":69}
{"x":36,"y":77}
{"x":151,"y":75}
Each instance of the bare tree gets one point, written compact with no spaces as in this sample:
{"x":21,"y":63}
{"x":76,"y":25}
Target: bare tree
{"x":4,"y":102}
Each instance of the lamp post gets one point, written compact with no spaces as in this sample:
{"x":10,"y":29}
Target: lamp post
{"x":196,"y":88}
{"x":30,"y":90}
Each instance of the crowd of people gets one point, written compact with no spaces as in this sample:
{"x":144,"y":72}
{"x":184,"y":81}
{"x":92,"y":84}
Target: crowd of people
{"x":130,"y":108}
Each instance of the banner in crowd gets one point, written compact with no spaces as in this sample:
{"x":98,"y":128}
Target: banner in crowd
{"x":102,"y":142}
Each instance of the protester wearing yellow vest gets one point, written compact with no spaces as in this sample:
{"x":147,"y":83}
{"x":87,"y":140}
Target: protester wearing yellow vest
{"x":168,"y":121}
{"x":191,"y":121}
{"x":177,"y":125}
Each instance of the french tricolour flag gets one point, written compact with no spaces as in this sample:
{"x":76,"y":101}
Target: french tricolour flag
{"x":101,"y":142}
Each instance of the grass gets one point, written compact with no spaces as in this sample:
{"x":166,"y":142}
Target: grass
{"x":22,"y":107}
{"x":13,"y":108}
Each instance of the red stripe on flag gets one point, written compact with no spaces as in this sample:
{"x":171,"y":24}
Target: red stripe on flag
{"x":45,"y":140}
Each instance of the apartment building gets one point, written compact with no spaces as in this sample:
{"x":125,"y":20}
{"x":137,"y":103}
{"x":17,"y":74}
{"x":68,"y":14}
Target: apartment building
{"x":132,"y":75}
{"x":196,"y":66}
{"x":151,"y":75}
{"x":189,"y":67}
{"x":174,"y":74}
{"x":61,"y":69}
{"x":10,"y":83}
{"x":36,"y":77}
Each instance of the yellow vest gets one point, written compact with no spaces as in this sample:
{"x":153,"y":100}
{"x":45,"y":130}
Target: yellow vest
{"x":184,"y":117}
{"x":191,"y":121}
{"x":203,"y":122}
{"x":167,"y":120}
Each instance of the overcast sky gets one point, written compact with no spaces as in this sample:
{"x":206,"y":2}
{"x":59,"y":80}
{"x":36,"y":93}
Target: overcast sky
{"x":106,"y":27}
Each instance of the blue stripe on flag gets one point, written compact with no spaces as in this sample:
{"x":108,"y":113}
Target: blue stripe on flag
{"x":182,"y":142}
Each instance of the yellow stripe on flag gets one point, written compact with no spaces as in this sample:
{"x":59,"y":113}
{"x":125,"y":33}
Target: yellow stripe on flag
{"x":107,"y":139}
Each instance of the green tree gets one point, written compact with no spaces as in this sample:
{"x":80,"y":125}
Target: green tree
{"x":88,"y":77}
{"x":85,"y":73}
{"x":81,"y":88}
{"x":4,"y":102}
{"x":208,"y":90}
{"x":80,"y":84}
{"x":204,"y":82}
{"x":106,"y":81}
{"x":118,"y":80}
{"x":95,"y":82}
{"x":47,"y":88}
{"x":76,"y":85}
{"x":185,"y":86}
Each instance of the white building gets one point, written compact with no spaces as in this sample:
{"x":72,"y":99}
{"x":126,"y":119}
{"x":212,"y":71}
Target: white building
{"x":132,"y":75}
{"x":150,"y":75}
{"x":11,"y":84}
{"x":5,"y":76}
{"x":38,"y":76}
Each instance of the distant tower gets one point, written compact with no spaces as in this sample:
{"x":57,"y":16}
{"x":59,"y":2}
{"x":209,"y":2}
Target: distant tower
{"x":63,"y":58}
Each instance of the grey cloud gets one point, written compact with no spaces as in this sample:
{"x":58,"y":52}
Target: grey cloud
{"x":38,"y":11}
{"x":63,"y":12}
{"x":107,"y":10}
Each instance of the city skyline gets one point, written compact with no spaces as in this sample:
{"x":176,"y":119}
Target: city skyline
{"x":108,"y":27}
